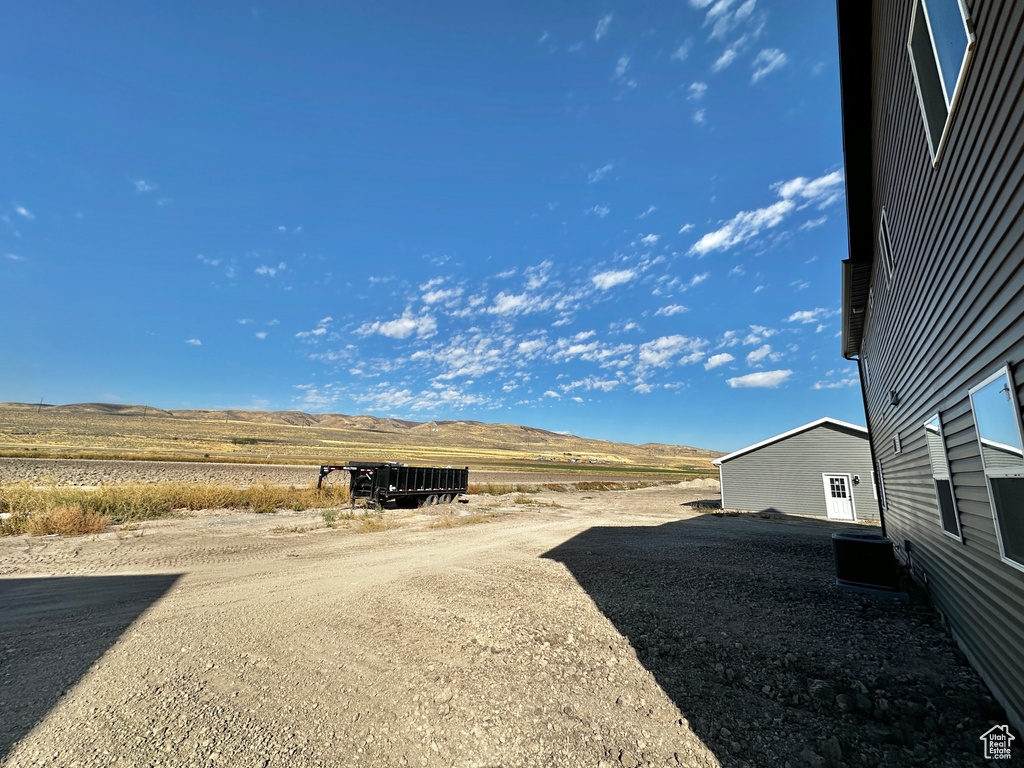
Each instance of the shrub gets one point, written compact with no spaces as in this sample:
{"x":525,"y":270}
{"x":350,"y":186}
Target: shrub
{"x":132,"y":502}
{"x":70,"y":520}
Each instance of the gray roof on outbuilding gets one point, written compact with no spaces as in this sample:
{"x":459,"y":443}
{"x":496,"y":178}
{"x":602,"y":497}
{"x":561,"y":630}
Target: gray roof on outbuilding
{"x":790,"y":433}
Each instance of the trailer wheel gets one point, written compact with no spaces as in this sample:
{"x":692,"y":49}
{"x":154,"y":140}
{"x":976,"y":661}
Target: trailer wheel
{"x":446,"y":499}
{"x":431,"y":500}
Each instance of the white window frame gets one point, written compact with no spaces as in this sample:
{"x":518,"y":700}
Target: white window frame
{"x":867,"y":373}
{"x":885,"y":249}
{"x":897,"y":444}
{"x":1004,"y":370}
{"x":881,"y":485}
{"x":951,"y":96}
{"x":959,"y":535}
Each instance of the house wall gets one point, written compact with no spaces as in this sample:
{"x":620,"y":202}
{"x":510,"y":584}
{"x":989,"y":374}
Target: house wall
{"x":786,"y":476}
{"x":952,"y":316}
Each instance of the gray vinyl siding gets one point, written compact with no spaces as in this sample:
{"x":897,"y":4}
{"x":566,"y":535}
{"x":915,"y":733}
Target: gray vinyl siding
{"x":786,"y":476}
{"x":952,"y":315}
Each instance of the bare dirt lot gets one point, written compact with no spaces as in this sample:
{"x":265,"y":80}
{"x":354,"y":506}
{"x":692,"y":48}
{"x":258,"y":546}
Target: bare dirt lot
{"x":618,"y":628}
{"x":91,"y":472}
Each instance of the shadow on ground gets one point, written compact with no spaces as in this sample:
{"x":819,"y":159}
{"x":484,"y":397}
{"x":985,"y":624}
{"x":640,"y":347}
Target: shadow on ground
{"x":52,"y":630}
{"x":740,"y":622}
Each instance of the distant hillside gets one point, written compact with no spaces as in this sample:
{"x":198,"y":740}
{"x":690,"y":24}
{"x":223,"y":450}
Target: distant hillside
{"x":143,"y":431}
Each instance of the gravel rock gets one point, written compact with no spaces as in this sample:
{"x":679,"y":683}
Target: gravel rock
{"x":617,"y":628}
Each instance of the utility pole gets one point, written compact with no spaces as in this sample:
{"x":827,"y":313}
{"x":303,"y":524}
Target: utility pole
{"x":40,"y":408}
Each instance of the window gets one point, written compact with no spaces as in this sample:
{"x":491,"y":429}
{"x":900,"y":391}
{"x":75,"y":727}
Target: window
{"x":885,"y":249}
{"x":997,"y":418}
{"x":867,"y":373}
{"x":881,"y":485}
{"x":897,"y":445}
{"x":941,"y":44}
{"x":948,"y":515}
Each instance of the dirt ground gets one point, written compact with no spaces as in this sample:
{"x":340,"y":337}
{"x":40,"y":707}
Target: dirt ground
{"x":92,"y":472}
{"x":618,"y":628}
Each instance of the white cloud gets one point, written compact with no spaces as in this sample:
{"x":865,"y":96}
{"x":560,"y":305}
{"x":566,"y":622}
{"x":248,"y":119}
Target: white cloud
{"x":650,"y":239}
{"x":759,"y":354}
{"x":841,"y":383}
{"x":723,"y":19}
{"x":697,"y":91}
{"x":424,"y":326}
{"x":591,"y":383}
{"x":552,"y":393}
{"x":532,"y":347}
{"x":681,"y":53}
{"x":391,"y":399}
{"x":577,"y":399}
{"x":795,"y":194}
{"x":15,"y":257}
{"x":600,"y":173}
{"x":321,"y":331}
{"x":263,"y":269}
{"x":716,"y":360}
{"x":538,"y":275}
{"x":767,"y":379}
{"x":728,"y":57}
{"x":672,"y":309}
{"x":698,"y":116}
{"x":25,"y":212}
{"x":621,"y":66}
{"x":685,"y":228}
{"x":811,"y":315}
{"x":602,"y":27}
{"x":141,"y":185}
{"x":194,"y":342}
{"x":659,"y":353}
{"x":698,"y":279}
{"x":758,"y":333}
{"x":611,"y":278}
{"x":822,"y":191}
{"x":767,"y":61}
{"x":812,"y":223}
{"x":599,"y":210}
{"x":510,"y":304}
{"x":261,"y":335}
{"x":433,"y":297}
{"x":737,"y":271}
{"x":651,"y":209}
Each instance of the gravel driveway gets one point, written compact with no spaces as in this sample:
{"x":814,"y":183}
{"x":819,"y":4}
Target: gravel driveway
{"x":595,"y":629}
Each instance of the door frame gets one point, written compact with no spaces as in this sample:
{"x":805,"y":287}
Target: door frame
{"x":828,"y":494}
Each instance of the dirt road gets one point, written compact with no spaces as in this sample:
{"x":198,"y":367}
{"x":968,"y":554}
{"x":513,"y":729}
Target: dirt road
{"x":614,"y":629}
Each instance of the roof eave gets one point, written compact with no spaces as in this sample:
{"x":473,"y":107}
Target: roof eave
{"x":855,"y":33}
{"x":796,"y":431}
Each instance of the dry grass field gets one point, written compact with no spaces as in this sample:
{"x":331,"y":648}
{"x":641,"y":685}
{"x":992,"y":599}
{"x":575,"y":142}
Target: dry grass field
{"x":105,"y":431}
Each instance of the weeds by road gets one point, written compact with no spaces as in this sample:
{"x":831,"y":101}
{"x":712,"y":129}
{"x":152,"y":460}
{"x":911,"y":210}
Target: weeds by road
{"x":25,"y":508}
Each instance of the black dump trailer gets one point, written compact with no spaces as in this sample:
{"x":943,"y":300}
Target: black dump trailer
{"x":405,"y":486}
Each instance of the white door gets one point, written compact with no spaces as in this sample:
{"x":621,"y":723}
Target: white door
{"x":838,"y":497}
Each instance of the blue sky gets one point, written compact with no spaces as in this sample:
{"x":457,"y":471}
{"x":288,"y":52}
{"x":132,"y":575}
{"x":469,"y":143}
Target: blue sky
{"x":619,"y":220}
